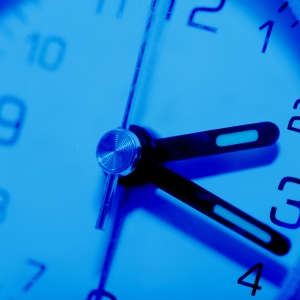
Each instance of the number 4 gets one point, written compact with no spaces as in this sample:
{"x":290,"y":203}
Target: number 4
{"x":254,"y":286}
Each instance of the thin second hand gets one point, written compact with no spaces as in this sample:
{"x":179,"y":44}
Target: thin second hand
{"x":129,"y":103}
{"x":112,"y":179}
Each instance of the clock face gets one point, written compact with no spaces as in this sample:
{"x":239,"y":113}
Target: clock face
{"x":66,"y":70}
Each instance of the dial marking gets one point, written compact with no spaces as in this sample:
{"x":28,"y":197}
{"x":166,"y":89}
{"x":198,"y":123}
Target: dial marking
{"x":254,"y":285}
{"x":283,"y":7}
{"x":197,"y":10}
{"x":242,"y":223}
{"x":269,"y":24}
{"x":236,"y":138}
{"x":170,"y":9}
{"x":291,"y":125}
{"x":295,"y":24}
{"x":296,"y":104}
{"x":37,"y":276}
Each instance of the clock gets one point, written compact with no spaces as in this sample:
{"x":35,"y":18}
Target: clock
{"x":197,"y":102}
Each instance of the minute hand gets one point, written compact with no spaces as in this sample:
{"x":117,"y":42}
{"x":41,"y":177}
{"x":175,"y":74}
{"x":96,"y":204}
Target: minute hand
{"x":216,"y":141}
{"x":214,"y":207}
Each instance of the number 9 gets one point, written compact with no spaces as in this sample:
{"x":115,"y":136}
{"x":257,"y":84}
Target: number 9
{"x":12,"y":113}
{"x":4,"y":199}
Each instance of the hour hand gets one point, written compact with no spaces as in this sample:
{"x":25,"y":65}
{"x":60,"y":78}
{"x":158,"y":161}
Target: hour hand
{"x":216,"y":141}
{"x":213,"y":207}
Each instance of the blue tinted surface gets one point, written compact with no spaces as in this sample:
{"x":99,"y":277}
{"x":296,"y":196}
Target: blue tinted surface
{"x":192,"y":80}
{"x":200,"y":82}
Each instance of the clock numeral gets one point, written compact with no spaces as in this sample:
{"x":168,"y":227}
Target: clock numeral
{"x":254,"y":285}
{"x":12,"y":113}
{"x":289,"y":202}
{"x":269,"y":24}
{"x":196,"y":10}
{"x":37,"y":276}
{"x":48,"y":53}
{"x":291,"y":125}
{"x":296,"y":104}
{"x":105,"y":296}
{"x":4,"y":200}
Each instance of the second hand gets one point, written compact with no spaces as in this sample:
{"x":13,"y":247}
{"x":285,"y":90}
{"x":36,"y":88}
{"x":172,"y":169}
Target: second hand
{"x":112,"y":179}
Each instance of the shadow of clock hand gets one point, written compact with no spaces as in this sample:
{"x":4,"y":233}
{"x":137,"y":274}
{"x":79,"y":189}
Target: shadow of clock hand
{"x":213,"y":236}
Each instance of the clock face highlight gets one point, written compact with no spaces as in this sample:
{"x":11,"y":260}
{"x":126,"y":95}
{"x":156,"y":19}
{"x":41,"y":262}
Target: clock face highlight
{"x":66,"y":72}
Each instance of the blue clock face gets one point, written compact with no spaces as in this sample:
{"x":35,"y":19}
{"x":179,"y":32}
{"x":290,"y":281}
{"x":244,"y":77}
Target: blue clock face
{"x":212,"y":209}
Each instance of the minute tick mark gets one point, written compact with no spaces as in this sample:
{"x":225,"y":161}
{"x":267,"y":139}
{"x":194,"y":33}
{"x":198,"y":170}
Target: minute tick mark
{"x":295,"y":24}
{"x":283,"y":7}
{"x":170,"y":9}
{"x":37,"y":276}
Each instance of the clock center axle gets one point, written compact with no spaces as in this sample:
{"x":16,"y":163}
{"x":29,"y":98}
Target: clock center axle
{"x":119,"y":152}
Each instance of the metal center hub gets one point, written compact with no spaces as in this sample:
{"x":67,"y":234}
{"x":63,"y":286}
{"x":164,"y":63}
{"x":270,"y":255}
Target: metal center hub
{"x":119,"y":152}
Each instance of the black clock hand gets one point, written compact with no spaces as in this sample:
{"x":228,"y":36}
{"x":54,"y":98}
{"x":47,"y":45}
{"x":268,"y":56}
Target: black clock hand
{"x":213,"y":206}
{"x":217,"y":141}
